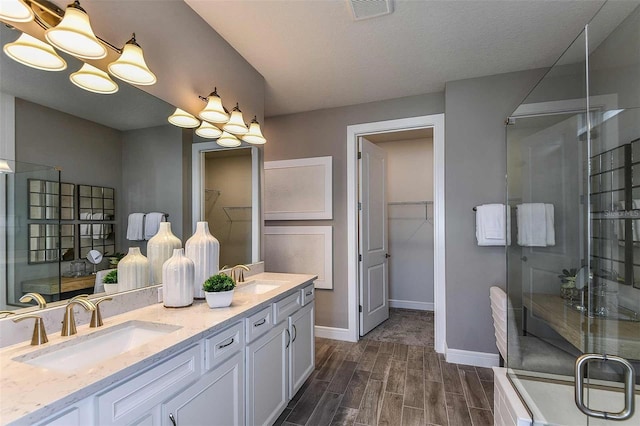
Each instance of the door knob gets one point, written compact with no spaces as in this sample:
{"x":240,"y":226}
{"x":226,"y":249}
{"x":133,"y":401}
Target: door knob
{"x":387,"y":255}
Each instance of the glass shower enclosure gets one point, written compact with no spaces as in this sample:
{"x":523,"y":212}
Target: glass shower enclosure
{"x":573,"y":185}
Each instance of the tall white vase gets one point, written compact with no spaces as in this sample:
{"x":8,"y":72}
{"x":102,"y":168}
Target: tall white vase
{"x":204,"y":250}
{"x":159,"y":249}
{"x":177,"y":280}
{"x":133,"y":270}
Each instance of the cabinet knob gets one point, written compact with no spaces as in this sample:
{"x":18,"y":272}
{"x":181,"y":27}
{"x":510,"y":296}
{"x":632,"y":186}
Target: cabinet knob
{"x":173,"y":419}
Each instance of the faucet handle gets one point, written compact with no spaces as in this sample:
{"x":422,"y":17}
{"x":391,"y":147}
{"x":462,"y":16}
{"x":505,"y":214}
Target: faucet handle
{"x":240,"y":273}
{"x":39,"y":333}
{"x":36,"y":297}
{"x":96,"y":316}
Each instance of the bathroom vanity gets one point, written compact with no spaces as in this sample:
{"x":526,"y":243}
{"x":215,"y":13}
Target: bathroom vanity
{"x":162,"y":366}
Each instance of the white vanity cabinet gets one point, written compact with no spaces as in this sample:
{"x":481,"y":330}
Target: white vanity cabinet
{"x":279,"y":362}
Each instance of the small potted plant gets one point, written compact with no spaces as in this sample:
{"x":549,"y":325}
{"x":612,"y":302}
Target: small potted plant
{"x":110,"y":282}
{"x":568,"y":287}
{"x":218,"y":290}
{"x":115,"y":258}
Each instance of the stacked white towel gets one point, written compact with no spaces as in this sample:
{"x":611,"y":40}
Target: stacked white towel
{"x":536,"y":225}
{"x":135,"y":227}
{"x":619,"y":230}
{"x":152,"y":224}
{"x":492,"y":225}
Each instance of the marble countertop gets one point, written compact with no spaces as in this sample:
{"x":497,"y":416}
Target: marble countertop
{"x":29,"y":393}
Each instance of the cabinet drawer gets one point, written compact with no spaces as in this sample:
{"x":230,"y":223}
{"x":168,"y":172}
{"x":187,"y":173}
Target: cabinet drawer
{"x":285,"y":307}
{"x":258,"y":324}
{"x":128,"y":400}
{"x":308,"y":294}
{"x":220,"y":346}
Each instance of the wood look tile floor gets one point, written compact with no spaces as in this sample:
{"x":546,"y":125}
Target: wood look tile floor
{"x":383,"y":380}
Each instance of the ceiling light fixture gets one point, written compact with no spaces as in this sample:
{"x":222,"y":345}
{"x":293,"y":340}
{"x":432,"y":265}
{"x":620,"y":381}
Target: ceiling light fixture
{"x":236,"y":125}
{"x":34,"y":53}
{"x":131,"y":67}
{"x":74,"y":35}
{"x":254,"y":136}
{"x":227,"y":140}
{"x":208,"y":131}
{"x":214,"y":112}
{"x":182,"y":118}
{"x":94,"y":80}
{"x":15,"y":11}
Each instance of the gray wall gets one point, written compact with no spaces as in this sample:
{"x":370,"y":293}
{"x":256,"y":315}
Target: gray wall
{"x":322,"y":133}
{"x":475,"y":170}
{"x":152,"y":172}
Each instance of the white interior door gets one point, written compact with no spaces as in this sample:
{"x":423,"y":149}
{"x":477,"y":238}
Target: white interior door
{"x":373,"y":241}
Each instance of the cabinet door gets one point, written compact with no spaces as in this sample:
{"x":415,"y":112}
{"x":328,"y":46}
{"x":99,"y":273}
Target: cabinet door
{"x":301,"y":350}
{"x":267,"y":376}
{"x":216,"y":399}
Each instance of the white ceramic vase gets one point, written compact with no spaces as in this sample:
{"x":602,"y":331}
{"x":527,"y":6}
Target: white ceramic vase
{"x":219,"y":299}
{"x":177,"y":280}
{"x":133,"y":270}
{"x":204,"y":250}
{"x":159,"y":249}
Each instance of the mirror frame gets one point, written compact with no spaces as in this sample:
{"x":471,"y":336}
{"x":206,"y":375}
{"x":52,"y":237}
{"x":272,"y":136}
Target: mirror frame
{"x":197,"y":187}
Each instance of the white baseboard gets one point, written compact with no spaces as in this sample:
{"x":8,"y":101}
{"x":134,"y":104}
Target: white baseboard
{"x":333,"y":333}
{"x":478,"y":359}
{"x":409,"y":304}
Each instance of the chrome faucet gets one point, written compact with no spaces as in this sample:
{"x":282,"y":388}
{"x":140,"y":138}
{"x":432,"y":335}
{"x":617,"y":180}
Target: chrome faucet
{"x":36,"y":297}
{"x":69,"y":321}
{"x":39,"y":333}
{"x":96,"y":316}
{"x":240,"y":274}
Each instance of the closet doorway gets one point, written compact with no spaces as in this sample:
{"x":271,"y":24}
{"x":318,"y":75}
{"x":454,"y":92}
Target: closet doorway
{"x":402,"y":211}
{"x":395,"y":223}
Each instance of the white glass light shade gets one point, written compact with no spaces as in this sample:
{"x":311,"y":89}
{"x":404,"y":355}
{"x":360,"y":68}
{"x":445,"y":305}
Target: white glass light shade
{"x":236,"y":124}
{"x":131,"y":67}
{"x":34,"y":53}
{"x":208,"y":130}
{"x":74,"y":35}
{"x":15,"y":11}
{"x":228,"y":140}
{"x":5,"y":167}
{"x":182,"y":118}
{"x":214,"y":112}
{"x":254,"y":136}
{"x":94,"y":80}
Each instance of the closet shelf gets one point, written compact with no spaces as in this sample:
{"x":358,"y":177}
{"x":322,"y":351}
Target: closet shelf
{"x":426,"y":205}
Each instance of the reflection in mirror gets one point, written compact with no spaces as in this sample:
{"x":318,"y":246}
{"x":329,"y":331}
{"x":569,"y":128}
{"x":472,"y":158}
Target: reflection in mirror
{"x":96,"y":203}
{"x":50,"y":200}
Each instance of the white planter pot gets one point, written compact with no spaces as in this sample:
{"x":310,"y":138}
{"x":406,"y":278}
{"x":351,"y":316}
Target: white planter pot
{"x":159,"y":249}
{"x":111,"y":288}
{"x":204,"y":250}
{"x":133,"y":270}
{"x":219,"y":299}
{"x":177,"y":280}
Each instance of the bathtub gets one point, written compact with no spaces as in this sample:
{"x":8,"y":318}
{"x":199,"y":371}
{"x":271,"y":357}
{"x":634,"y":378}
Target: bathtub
{"x":537,"y":402}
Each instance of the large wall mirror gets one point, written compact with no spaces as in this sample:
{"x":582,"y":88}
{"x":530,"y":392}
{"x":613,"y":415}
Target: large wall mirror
{"x":120,"y":156}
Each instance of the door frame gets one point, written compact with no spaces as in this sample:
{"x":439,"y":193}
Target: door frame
{"x":435,"y":121}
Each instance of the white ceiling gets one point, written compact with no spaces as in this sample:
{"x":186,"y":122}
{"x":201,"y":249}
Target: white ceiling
{"x":313,"y":55}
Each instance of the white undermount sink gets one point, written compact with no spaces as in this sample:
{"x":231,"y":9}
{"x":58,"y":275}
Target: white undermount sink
{"x":259,"y":286}
{"x":86,"y":351}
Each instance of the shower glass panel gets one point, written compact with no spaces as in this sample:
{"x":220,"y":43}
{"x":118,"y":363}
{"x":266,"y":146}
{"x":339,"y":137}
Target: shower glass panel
{"x":31,"y":256}
{"x":573,"y":187}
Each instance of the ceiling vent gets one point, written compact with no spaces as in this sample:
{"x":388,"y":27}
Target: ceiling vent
{"x":365,"y":9}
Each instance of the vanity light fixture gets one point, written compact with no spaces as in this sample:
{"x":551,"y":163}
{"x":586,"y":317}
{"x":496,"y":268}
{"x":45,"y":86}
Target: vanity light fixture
{"x":214,"y":112}
{"x":208,"y":131}
{"x":4,"y":164}
{"x":131,"y":67}
{"x":228,"y":140}
{"x":74,"y":35}
{"x":182,"y":118}
{"x":254,"y":136}
{"x":94,"y":80}
{"x":15,"y":11}
{"x":34,"y":53}
{"x":236,"y":125}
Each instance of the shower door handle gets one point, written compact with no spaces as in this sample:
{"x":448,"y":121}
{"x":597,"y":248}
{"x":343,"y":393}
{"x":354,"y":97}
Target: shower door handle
{"x":629,"y":399}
